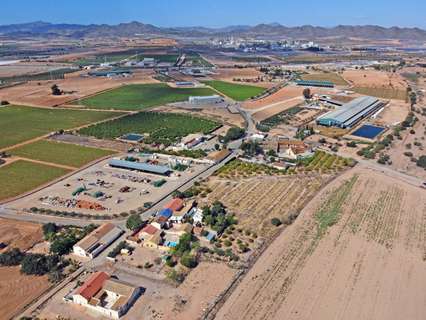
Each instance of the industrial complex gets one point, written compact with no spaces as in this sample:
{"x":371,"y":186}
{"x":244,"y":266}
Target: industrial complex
{"x":349,"y":114}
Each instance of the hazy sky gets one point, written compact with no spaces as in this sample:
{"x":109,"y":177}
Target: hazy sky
{"x":218,"y":12}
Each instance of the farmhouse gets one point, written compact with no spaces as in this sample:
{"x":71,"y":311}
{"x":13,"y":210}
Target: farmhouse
{"x":97,"y":241}
{"x":214,"y":99}
{"x":144,"y":167}
{"x":350,"y":113}
{"x":291,"y":149}
{"x":110,"y":297}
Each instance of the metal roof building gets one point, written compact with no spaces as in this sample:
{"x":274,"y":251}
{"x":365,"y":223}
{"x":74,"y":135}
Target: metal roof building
{"x":350,"y":113}
{"x":314,"y":83}
{"x":145,"y":167}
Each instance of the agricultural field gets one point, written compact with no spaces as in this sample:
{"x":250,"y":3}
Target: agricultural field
{"x":321,"y":162}
{"x":256,"y":200}
{"x":279,"y":118}
{"x":382,"y":92}
{"x":251,"y":59}
{"x":60,"y":153}
{"x":159,"y":127}
{"x":238,"y":92}
{"x":328,"y":76}
{"x":22,"y":176}
{"x":19,"y":124}
{"x":359,"y":244}
{"x":142,"y":96}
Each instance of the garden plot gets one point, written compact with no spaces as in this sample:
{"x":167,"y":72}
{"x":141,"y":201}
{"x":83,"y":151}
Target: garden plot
{"x":357,"y":246}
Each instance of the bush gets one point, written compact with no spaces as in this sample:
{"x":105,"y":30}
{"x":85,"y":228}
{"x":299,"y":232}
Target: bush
{"x":408,"y":154}
{"x":4,"y":103}
{"x":227,"y":243}
{"x":276,"y":222}
{"x":38,"y":264}
{"x":351,"y":144}
{"x":421,"y":162}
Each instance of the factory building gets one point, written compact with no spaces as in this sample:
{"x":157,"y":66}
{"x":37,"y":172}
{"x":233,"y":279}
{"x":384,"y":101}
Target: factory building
{"x":350,"y":113}
{"x":205,"y":100}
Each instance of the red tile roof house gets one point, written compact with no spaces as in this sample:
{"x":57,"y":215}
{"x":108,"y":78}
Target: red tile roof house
{"x":175,"y":205}
{"x":109,"y":297}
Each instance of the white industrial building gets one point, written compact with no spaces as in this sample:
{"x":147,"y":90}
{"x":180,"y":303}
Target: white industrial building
{"x":197,"y":100}
{"x":97,"y":241}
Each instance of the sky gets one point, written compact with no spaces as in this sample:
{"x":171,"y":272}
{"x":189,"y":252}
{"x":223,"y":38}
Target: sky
{"x":218,"y":13}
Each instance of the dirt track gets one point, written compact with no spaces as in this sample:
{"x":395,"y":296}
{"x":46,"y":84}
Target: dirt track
{"x":370,"y":265}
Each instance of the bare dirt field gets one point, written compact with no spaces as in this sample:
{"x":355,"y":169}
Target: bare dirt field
{"x":275,"y":108}
{"x":288,"y":92}
{"x":357,"y":251}
{"x":395,"y":112}
{"x":17,"y":290}
{"x":20,"y":234}
{"x":413,"y":143}
{"x":24,"y":68}
{"x":38,"y":93}
{"x":373,"y":78}
{"x":229,"y":74}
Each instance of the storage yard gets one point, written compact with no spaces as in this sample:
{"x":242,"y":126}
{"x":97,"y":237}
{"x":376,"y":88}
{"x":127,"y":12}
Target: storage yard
{"x":110,"y":189}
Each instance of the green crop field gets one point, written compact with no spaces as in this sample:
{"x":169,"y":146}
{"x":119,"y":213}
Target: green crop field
{"x":60,"y":153}
{"x":331,"y":77}
{"x":160,"y":127}
{"x":142,"y":96}
{"x":384,"y":93}
{"x":19,"y":124}
{"x":238,"y":92}
{"x":22,"y":176}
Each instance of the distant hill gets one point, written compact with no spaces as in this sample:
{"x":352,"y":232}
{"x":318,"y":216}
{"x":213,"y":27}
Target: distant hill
{"x":45,"y":29}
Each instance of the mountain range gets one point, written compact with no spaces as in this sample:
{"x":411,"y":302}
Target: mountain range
{"x":76,"y":31}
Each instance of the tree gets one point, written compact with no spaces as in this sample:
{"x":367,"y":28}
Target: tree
{"x":217,"y":146}
{"x":134,"y":222}
{"x":276,"y":222}
{"x":251,"y":148}
{"x":55,"y":90}
{"x":64,"y":245}
{"x":413,"y":99}
{"x":234,"y":133}
{"x":49,"y":229}
{"x":183,"y":246}
{"x":12,"y":257}
{"x":307,"y":93}
{"x":188,"y":261}
{"x":421,"y":162}
{"x":34,"y":264}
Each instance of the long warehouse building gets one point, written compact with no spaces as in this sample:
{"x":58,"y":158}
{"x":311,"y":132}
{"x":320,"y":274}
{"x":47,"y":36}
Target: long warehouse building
{"x":350,"y":113}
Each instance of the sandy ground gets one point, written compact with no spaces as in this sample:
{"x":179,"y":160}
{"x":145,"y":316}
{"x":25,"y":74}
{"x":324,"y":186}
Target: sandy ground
{"x":373,"y":78}
{"x":394,"y":113}
{"x":38,"y":93}
{"x":369,"y":265}
{"x":403,"y":163}
{"x":20,"y":234}
{"x":266,"y":112}
{"x":17,"y":290}
{"x":161,"y":301}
